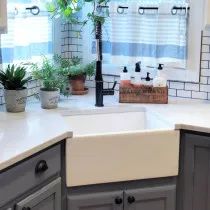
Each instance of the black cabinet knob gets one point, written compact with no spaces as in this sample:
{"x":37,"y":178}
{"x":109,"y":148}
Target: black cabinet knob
{"x":118,"y":200}
{"x":131,"y":199}
{"x":41,"y":167}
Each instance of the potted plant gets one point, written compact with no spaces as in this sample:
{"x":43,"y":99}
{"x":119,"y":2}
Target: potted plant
{"x":14,"y":80}
{"x":76,"y":72}
{"x":52,"y":83}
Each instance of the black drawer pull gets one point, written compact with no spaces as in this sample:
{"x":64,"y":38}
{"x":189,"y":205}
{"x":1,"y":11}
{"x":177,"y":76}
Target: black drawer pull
{"x":118,"y":200}
{"x":131,"y":199}
{"x":26,"y":208}
{"x":41,"y":167}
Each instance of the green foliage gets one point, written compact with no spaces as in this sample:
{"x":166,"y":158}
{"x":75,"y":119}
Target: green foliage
{"x":74,"y":67}
{"x":50,"y":75}
{"x":14,"y":78}
{"x":69,"y":10}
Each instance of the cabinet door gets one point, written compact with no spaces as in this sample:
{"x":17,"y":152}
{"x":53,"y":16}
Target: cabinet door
{"x":156,"y":198}
{"x":194,"y":179}
{"x":47,"y":198}
{"x":96,"y":201}
{"x":3,"y":16}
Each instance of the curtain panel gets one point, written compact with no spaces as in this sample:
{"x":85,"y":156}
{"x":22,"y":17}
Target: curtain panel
{"x":154,"y":37}
{"x":29,"y":36}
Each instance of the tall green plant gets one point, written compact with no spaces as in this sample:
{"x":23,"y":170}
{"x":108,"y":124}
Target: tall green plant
{"x":14,"y":77}
{"x":70,"y":9}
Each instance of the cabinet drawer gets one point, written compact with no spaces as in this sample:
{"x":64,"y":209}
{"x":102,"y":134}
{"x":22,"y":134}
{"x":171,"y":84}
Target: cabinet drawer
{"x":29,"y":174}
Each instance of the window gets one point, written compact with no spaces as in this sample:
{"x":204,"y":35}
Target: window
{"x":29,"y":36}
{"x":157,"y":36}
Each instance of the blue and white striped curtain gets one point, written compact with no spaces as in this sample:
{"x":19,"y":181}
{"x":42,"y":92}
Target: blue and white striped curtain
{"x":154,"y":37}
{"x":29,"y":36}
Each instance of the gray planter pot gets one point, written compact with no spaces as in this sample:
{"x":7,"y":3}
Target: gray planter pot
{"x":15,"y":100}
{"x":49,"y":99}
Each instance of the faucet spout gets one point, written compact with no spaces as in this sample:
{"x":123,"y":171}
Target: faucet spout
{"x":100,"y":91}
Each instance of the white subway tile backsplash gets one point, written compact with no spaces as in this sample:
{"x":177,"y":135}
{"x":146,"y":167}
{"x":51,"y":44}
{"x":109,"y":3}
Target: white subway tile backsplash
{"x":172,"y":92}
{"x":204,"y":80}
{"x":204,"y":64}
{"x":205,"y":72}
{"x":205,"y":56}
{"x":206,"y":33}
{"x":199,"y":95}
{"x":206,"y":40}
{"x":184,"y":93}
{"x":108,"y":78}
{"x":192,"y":86}
{"x":72,"y":48}
{"x":205,"y":88}
{"x":205,"y":49}
{"x":177,"y":85}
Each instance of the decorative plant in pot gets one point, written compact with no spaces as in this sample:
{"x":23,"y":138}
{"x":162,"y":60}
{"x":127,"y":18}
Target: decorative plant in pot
{"x":14,"y":80}
{"x":52,"y":83}
{"x":76,"y":72}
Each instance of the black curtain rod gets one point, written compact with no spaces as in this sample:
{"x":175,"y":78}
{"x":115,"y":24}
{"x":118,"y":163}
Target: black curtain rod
{"x":141,"y":10}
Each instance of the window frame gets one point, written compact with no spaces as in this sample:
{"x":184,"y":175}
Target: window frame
{"x":192,"y":72}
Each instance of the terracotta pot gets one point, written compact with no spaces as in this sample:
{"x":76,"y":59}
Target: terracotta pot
{"x":77,"y":82}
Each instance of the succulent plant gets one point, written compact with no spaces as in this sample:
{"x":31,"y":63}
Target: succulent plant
{"x":14,"y":77}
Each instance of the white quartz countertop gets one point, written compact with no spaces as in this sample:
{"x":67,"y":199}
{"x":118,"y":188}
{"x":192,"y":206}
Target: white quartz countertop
{"x":24,"y":134}
{"x":188,"y":114}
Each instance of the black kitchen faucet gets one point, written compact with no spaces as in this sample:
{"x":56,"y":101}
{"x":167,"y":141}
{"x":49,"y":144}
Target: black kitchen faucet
{"x":100,"y":91}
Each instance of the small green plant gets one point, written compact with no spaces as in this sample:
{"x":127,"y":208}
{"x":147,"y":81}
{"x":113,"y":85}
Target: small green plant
{"x":14,"y":77}
{"x":50,"y":75}
{"x":73,"y":67}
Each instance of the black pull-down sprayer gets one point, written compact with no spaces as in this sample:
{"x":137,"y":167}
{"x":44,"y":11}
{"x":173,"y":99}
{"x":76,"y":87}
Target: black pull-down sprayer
{"x":100,"y":91}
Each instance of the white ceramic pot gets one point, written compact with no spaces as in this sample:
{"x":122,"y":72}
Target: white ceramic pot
{"x":15,"y":100}
{"x":49,"y":99}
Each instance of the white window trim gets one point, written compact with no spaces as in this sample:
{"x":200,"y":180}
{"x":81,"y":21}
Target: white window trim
{"x":192,"y":73}
{"x":3,"y":16}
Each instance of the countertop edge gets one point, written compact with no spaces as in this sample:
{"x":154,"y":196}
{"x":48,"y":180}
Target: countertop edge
{"x":22,"y":156}
{"x":195,"y":128}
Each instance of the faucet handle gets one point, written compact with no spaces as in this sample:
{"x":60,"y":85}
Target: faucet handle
{"x":115,"y":83}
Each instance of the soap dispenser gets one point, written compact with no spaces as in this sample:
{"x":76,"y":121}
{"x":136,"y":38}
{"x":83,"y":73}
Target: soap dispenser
{"x":137,"y":74}
{"x":160,"y":80}
{"x":125,"y":77}
{"x":148,"y":79}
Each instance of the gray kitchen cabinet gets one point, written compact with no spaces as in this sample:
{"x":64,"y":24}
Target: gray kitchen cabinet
{"x":47,"y":198}
{"x":194,"y":176}
{"x":96,"y":201}
{"x":138,"y":195}
{"x":36,"y":183}
{"x":154,"y":198}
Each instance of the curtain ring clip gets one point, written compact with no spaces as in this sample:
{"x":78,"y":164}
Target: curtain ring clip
{"x":141,"y":10}
{"x":174,"y":11}
{"x":34,"y":10}
{"x":120,"y":10}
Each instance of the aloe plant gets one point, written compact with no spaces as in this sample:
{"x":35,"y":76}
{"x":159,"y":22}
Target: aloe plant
{"x":14,"y":77}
